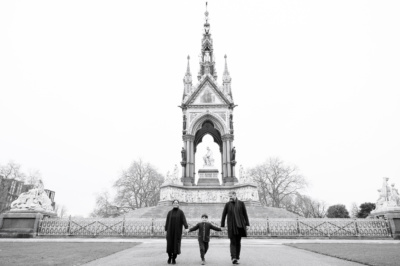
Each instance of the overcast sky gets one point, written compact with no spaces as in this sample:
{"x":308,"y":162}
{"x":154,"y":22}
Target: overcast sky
{"x":86,"y":87}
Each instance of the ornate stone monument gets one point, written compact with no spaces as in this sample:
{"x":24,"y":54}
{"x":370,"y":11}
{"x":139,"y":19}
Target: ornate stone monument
{"x":26,"y":212}
{"x":207,"y":108}
{"x":388,"y":206}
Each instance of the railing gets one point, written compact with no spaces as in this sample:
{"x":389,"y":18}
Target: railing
{"x":121,"y":227}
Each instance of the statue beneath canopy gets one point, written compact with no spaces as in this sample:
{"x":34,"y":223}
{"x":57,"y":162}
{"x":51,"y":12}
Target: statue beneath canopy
{"x":208,"y":158}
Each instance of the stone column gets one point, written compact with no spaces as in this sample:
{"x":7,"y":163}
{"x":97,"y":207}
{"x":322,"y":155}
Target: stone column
{"x":224,"y":170}
{"x":187,"y":179}
{"x":228,"y":158}
{"x":188,"y":158}
{"x":222,"y":165}
{"x":192,"y":160}
{"x":194,"y":166}
{"x":230,"y":178}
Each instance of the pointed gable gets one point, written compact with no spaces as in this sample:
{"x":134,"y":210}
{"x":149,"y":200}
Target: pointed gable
{"x":207,"y":93}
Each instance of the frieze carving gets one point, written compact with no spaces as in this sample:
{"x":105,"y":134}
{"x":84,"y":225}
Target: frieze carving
{"x":169,"y":193}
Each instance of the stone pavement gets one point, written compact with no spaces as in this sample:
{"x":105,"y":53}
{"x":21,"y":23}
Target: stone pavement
{"x":253,"y":253}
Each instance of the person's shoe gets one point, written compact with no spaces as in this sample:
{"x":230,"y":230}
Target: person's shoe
{"x":169,"y":260}
{"x":237,"y":262}
{"x":234,"y":261}
{"x":173,"y":261}
{"x":203,"y":262}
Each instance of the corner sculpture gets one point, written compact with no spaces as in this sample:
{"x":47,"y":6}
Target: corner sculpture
{"x":35,"y":199}
{"x":388,"y":196}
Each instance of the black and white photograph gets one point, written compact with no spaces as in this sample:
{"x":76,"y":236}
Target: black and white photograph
{"x":203,"y":132}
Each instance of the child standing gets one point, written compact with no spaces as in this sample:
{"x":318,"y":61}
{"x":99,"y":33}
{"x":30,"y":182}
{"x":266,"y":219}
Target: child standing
{"x":204,"y":235}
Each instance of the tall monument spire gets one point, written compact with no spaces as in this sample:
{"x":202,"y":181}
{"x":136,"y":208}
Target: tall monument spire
{"x":206,"y":57}
{"x":187,"y":80}
{"x":226,"y":80}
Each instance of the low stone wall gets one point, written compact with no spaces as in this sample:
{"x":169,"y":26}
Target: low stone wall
{"x":121,"y":227}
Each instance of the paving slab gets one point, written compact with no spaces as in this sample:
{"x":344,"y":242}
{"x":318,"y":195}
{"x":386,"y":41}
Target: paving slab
{"x":255,"y":241}
{"x":253,"y":253}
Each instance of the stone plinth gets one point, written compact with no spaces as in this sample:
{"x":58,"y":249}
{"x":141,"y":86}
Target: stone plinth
{"x":208,"y":177}
{"x":392,"y":214}
{"x":21,"y":224}
{"x":207,"y":194}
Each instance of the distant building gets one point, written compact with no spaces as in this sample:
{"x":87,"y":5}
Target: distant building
{"x":10,"y":189}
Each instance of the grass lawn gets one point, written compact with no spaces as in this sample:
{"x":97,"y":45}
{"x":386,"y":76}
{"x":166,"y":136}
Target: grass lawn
{"x":57,"y":253}
{"x":369,"y":254}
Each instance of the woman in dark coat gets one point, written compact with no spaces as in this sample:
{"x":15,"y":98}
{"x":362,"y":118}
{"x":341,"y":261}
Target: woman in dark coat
{"x":173,"y":225}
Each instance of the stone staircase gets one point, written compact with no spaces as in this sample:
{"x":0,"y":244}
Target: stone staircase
{"x":214,"y":211}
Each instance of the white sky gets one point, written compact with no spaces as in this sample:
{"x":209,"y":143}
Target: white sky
{"x":86,"y":87}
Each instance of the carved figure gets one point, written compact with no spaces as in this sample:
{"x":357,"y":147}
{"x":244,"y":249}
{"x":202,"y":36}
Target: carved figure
{"x":231,"y":121}
{"x":208,"y":158}
{"x":183,"y":153}
{"x":233,"y":154}
{"x":184,"y":122}
{"x":35,"y":199}
{"x":395,"y":197}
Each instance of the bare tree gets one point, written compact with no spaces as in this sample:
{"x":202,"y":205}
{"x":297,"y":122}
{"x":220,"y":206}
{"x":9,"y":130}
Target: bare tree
{"x":312,"y":208}
{"x":104,"y":206}
{"x":305,"y":206}
{"x":12,"y":171}
{"x":33,"y":176}
{"x":276,"y":181}
{"x":60,"y":210}
{"x":354,"y":210}
{"x":9,"y":171}
{"x":139,"y":186}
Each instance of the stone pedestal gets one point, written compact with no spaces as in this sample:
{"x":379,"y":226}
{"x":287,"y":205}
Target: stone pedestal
{"x":208,"y":177}
{"x":392,"y":214}
{"x":21,"y":224}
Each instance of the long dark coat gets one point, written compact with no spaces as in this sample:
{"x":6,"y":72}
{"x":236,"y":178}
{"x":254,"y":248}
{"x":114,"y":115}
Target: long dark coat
{"x":236,"y":226}
{"x":173,"y":226}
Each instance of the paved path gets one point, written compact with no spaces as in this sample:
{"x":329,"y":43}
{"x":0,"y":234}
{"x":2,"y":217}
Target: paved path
{"x":254,"y":252}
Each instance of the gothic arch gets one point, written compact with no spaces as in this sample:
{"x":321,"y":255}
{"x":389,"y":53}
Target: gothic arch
{"x":216,"y":121}
{"x":208,"y":128}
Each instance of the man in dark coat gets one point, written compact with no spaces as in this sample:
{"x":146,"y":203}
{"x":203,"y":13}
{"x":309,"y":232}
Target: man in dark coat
{"x":237,"y":224}
{"x":173,"y":225}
